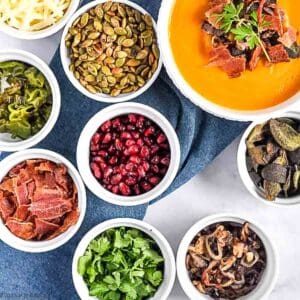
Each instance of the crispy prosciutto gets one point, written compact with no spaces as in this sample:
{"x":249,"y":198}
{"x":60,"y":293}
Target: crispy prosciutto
{"x":245,"y":32}
{"x":38,"y":200}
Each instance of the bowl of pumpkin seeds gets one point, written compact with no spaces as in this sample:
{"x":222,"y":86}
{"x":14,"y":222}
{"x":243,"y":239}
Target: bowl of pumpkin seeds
{"x":109,"y":50}
{"x":269,"y":159}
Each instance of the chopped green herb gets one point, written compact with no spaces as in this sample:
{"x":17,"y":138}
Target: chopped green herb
{"x":122,"y":263}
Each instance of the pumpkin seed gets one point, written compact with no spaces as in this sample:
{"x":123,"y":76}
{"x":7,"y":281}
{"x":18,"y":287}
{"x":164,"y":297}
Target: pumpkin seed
{"x":128,"y":43}
{"x":84,"y":20}
{"x":113,"y":49}
{"x":272,"y":189}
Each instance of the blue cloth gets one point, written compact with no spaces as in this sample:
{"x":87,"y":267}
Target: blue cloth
{"x":202,"y":137}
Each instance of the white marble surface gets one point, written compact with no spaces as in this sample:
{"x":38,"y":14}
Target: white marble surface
{"x":217,"y":189}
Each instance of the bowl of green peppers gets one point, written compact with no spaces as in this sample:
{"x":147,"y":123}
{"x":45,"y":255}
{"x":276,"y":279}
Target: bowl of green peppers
{"x":29,"y":100}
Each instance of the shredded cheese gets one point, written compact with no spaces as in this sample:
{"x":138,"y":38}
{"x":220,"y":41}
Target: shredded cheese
{"x":32,"y":15}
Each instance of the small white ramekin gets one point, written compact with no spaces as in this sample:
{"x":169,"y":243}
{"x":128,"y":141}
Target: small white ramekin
{"x":40,"y":34}
{"x":169,"y":264}
{"x":165,"y":13}
{"x":244,"y":174}
{"x":83,"y":153}
{"x":8,"y":144}
{"x":269,"y":276}
{"x":42,"y":246}
{"x":66,"y":60}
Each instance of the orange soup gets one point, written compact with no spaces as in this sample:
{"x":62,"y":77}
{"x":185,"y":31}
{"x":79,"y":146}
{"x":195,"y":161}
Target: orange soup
{"x":262,"y":88}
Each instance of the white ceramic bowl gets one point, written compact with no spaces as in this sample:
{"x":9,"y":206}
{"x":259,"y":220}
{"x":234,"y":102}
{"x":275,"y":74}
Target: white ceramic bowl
{"x":174,"y":73}
{"x":244,"y":174}
{"x":270,"y":274}
{"x":42,"y":246}
{"x":39,"y":34}
{"x":6,"y":142}
{"x":66,"y":60}
{"x":83,"y":153}
{"x":169,"y":265}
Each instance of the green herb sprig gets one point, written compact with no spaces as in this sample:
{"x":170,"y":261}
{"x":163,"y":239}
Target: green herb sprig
{"x":122,"y":264}
{"x":231,"y":21}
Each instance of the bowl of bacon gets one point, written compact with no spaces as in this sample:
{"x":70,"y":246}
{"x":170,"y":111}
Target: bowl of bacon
{"x":42,"y":200}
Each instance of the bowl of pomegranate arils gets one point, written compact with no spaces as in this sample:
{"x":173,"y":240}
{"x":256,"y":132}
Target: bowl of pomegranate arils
{"x":42,"y":200}
{"x":128,"y":154}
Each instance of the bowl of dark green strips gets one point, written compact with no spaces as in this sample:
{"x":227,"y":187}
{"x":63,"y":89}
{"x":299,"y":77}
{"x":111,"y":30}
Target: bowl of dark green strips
{"x":29,"y":100}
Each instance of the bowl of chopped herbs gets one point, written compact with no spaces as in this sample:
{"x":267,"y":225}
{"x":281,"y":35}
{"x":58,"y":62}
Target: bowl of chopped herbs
{"x":123,"y":259}
{"x":29,"y":100}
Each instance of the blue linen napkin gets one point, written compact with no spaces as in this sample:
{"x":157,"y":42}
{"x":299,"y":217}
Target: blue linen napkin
{"x":202,"y":137}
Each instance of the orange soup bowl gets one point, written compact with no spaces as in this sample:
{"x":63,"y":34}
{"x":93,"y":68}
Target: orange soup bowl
{"x":262,"y":93}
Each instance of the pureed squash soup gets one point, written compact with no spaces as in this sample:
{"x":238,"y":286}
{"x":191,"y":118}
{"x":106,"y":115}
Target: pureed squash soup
{"x":258,"y":89}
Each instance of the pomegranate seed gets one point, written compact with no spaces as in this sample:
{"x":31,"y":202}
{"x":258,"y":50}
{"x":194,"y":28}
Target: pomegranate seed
{"x":133,"y":149}
{"x":146,"y":186}
{"x":98,"y":159}
{"x":161,"y":138}
{"x":145,"y":165}
{"x":106,"y":126}
{"x":155,"y":168}
{"x":145,"y":152}
{"x":136,"y":189}
{"x":165,"y":161}
{"x":154,"y":180}
{"x":111,"y":149}
{"x":115,"y":189}
{"x":140,"y":121}
{"x":141,"y":171}
{"x":130,"y":166}
{"x":96,"y":138}
{"x":155,"y":159}
{"x":135,"y":159}
{"x":116,"y":122}
{"x":113,"y":160}
{"x":140,"y":142}
{"x":107,"y":172}
{"x":96,"y":170}
{"x":129,"y":143}
{"x":107,"y":138}
{"x":116,"y":179}
{"x":135,"y":135}
{"x":154,"y":149}
{"x":109,"y":186}
{"x":118,"y":144}
{"x":124,"y":189}
{"x":125,"y":135}
{"x":132,"y":118}
{"x":103,"y":153}
{"x":163,"y":170}
{"x":130,"y":181}
{"x":165,"y":146}
{"x":122,"y":127}
{"x":103,"y":166}
{"x":148,"y":141}
{"x":130,"y":127}
{"x":133,"y":174}
{"x":149,"y":131}
{"x":94,"y":147}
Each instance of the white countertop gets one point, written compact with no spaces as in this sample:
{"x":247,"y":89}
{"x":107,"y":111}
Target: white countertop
{"x":217,"y":189}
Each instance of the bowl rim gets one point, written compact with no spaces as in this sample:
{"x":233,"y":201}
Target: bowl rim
{"x":42,"y":246}
{"x":108,"y":113}
{"x":184,"y":87}
{"x":244,"y":174}
{"x":269,"y":277}
{"x":43,"y":33}
{"x":100,"y":97}
{"x":33,"y":60}
{"x":143,"y":226}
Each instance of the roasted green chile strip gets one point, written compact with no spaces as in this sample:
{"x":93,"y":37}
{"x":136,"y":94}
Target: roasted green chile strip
{"x":113,"y":49}
{"x":122,"y":263}
{"x":25,"y":99}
